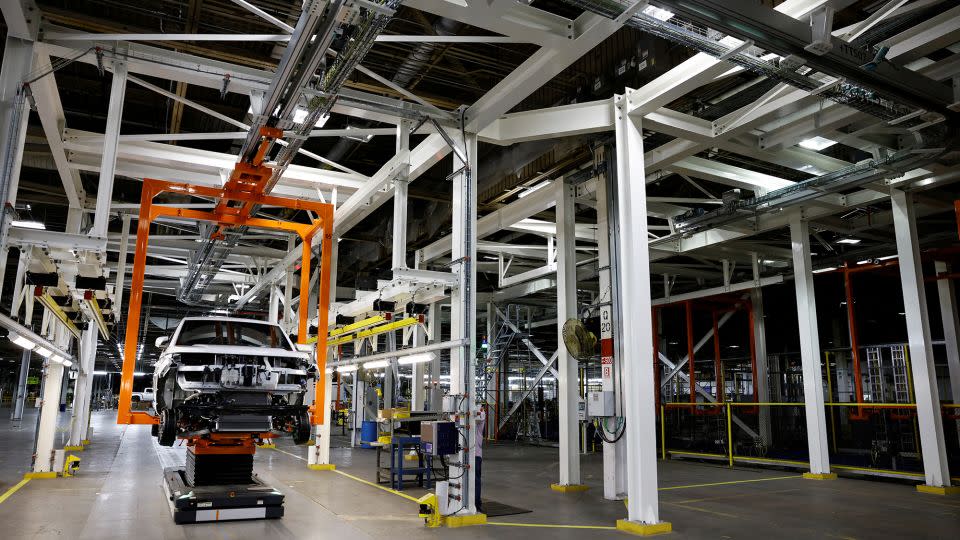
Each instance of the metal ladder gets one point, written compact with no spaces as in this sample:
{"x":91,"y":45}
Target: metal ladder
{"x":901,"y":381}
{"x":875,"y":375}
{"x":499,"y":347}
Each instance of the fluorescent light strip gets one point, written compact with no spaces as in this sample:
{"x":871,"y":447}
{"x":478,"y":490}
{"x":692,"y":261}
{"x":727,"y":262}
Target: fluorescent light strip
{"x":415,"y":359}
{"x":28,"y":224}
{"x":376,"y":364}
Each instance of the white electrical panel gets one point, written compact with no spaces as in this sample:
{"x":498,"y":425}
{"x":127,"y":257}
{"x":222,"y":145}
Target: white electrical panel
{"x":601,"y":404}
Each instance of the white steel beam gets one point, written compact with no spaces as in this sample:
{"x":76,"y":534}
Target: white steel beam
{"x":184,"y":162}
{"x":539,"y":69}
{"x":568,"y":389}
{"x":809,"y":348}
{"x":166,"y":64}
{"x":14,"y":114}
{"x":729,"y":175}
{"x":50,"y":111}
{"x":936,"y":470}
{"x":511,"y":19}
{"x":264,"y":15}
{"x":643,"y":507}
{"x":249,"y":38}
{"x":108,"y":160}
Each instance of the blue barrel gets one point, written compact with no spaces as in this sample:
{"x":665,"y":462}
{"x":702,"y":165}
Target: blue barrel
{"x":368,"y":433}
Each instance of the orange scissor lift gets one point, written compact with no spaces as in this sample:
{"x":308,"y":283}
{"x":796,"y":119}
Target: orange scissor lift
{"x":227,"y":455}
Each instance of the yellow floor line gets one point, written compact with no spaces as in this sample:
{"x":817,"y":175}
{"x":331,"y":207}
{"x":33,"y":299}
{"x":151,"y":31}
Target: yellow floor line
{"x":352,"y":477}
{"x":551,"y":526}
{"x":737,"y":496}
{"x":371,"y":484}
{"x":731,"y":482}
{"x":704,"y":510}
{"x":13,"y":490}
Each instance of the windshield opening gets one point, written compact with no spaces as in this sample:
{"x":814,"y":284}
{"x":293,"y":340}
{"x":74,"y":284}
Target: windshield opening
{"x":243,"y":334}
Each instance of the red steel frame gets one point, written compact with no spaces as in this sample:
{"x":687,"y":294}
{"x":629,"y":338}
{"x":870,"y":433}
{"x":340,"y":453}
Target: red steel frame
{"x":228,"y":216}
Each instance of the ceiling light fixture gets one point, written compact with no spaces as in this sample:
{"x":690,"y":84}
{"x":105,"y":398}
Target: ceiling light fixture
{"x":850,"y":241}
{"x":21,"y":341}
{"x":817,"y":143}
{"x":347,"y":368}
{"x":376,"y":364}
{"x":415,"y":359}
{"x":24,"y":224}
{"x":827,"y":269}
{"x":537,"y":187}
{"x":659,"y":14}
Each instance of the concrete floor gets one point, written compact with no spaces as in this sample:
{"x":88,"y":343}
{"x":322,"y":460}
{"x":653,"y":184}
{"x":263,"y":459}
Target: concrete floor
{"x":117,"y":495}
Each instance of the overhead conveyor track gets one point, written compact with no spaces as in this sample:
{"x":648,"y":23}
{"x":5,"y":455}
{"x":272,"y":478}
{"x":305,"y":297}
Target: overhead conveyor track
{"x":299,"y":84}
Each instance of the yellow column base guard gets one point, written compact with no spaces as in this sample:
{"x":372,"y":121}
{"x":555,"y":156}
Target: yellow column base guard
{"x":820,"y":476}
{"x":73,"y":448}
{"x":569,"y":488}
{"x":643,"y":529}
{"x":48,"y":474}
{"x":268,"y":445}
{"x":85,"y":442}
{"x":464,"y":521}
{"x":939,"y":490}
{"x":322,"y":467}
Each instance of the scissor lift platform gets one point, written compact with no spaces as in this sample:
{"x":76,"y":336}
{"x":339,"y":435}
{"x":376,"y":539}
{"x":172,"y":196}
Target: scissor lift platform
{"x":199,"y":504}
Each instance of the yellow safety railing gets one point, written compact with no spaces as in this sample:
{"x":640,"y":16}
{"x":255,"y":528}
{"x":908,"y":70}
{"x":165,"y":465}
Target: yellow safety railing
{"x":732,"y":458}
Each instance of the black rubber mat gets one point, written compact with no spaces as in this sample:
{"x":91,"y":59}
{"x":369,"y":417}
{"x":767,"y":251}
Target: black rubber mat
{"x":495,"y":509}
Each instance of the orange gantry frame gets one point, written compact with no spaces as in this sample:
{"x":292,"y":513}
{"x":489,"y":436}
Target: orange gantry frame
{"x":227,"y":216}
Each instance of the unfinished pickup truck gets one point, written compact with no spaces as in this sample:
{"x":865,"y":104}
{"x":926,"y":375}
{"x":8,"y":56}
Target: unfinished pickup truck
{"x":224,"y":374}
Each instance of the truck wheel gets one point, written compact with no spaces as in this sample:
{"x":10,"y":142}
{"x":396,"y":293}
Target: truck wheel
{"x":167,"y":430}
{"x":301,"y":431}
{"x":155,"y":430}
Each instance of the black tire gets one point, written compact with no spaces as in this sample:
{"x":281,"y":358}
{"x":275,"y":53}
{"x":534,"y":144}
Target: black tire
{"x":167,"y":430}
{"x":301,"y":431}
{"x":155,"y":430}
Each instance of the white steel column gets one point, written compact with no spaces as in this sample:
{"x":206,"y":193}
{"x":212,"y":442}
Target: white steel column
{"x":762,"y":384}
{"x":319,"y":455}
{"x":951,"y":328}
{"x":809,"y":349}
{"x":20,"y":396}
{"x":111,"y":137}
{"x":14,"y":113}
{"x":643,"y":506}
{"x":274,"y":305}
{"x":433,"y":329}
{"x":49,"y":408}
{"x":401,"y":185}
{"x":417,"y":384}
{"x":935,"y":469}
{"x":568,"y":388}
{"x":288,"y":319}
{"x":463,"y":325}
{"x":614,"y":454}
{"x":84,"y":386}
{"x":121,"y":265}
